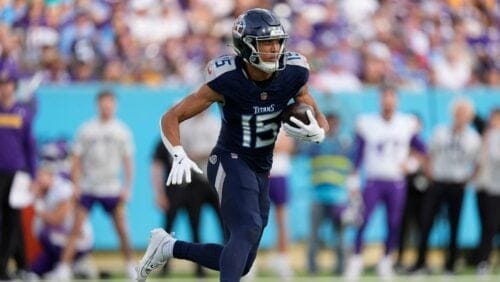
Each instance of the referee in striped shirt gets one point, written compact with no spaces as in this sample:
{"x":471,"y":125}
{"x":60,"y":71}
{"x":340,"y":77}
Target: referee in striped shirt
{"x":452,"y":162}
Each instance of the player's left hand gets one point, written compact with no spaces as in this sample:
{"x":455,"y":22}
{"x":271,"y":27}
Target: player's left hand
{"x":311,"y":132}
{"x":181,"y":166}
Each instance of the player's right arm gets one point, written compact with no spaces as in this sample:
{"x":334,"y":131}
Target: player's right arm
{"x":169,"y":124}
{"x":185,"y":109}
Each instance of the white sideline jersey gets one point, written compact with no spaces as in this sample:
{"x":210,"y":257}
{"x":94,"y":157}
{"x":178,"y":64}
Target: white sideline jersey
{"x":61,"y":191}
{"x":387,"y":144}
{"x":453,"y":156}
{"x":102,"y":147}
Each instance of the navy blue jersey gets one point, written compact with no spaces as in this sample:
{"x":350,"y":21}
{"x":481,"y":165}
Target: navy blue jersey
{"x":251,"y":112}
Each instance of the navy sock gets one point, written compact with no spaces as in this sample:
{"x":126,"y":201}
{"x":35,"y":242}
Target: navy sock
{"x":207,"y":255}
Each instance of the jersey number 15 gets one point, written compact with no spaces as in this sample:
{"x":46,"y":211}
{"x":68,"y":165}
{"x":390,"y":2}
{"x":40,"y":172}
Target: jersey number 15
{"x":261,"y":125}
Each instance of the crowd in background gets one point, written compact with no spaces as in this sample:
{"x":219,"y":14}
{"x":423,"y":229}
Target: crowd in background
{"x":446,"y":43}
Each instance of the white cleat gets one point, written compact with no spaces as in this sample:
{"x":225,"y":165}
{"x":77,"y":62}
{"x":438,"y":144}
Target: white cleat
{"x":61,"y":273}
{"x":160,"y":249}
{"x":354,"y":268}
{"x":282,"y":267}
{"x":385,"y":268}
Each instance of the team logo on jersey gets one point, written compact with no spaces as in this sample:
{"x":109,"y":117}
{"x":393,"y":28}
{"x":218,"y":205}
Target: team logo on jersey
{"x":264,"y":96}
{"x":212,"y":159}
{"x":234,"y":155}
{"x":264,"y":109}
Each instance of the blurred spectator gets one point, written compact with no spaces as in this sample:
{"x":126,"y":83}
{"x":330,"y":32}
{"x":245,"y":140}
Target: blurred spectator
{"x":383,"y":143}
{"x":53,"y":67}
{"x":488,"y":196}
{"x":334,"y":78}
{"x":127,"y":51}
{"x":115,"y":72}
{"x":17,"y":161}
{"x":9,"y":52}
{"x":416,"y":185}
{"x":486,"y":70}
{"x":41,"y":30}
{"x":7,"y":13}
{"x":330,"y":165}
{"x":453,"y":156}
{"x":56,"y":154}
{"x":82,"y":71}
{"x":103,"y":148}
{"x":453,"y":68}
{"x":53,"y":221}
{"x":412,"y":72}
{"x":81,"y":27}
{"x":377,"y":68}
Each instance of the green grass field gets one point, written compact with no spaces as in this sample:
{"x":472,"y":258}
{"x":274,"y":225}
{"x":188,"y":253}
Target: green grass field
{"x":111,"y":264}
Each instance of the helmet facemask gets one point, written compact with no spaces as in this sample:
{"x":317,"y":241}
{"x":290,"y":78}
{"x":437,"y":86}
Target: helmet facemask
{"x":255,"y":57}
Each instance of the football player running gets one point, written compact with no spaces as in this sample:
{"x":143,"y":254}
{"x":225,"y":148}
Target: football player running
{"x":252,"y":88}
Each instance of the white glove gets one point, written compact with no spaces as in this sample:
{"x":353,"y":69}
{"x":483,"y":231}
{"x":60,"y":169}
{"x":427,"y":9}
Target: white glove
{"x":305,"y":132}
{"x":181,"y":165}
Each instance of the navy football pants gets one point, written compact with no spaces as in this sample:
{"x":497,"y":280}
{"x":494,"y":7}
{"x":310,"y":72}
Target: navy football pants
{"x":244,"y":203}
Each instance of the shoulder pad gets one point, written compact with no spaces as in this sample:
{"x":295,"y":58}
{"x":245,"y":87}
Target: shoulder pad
{"x":296,"y":59}
{"x":219,"y":66}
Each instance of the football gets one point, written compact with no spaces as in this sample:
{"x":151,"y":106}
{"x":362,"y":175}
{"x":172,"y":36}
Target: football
{"x":297,"y":110}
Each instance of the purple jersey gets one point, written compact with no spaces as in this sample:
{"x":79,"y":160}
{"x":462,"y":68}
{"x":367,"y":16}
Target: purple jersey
{"x":17,"y":146}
